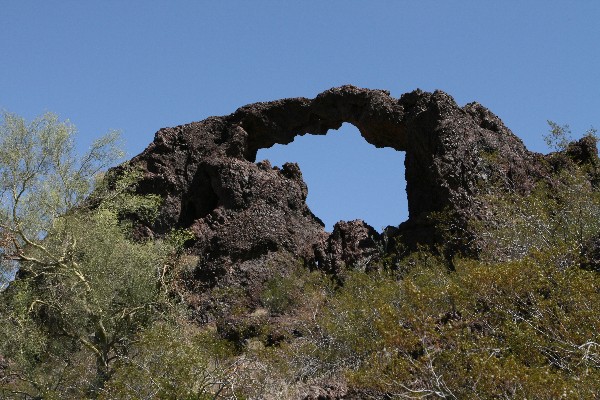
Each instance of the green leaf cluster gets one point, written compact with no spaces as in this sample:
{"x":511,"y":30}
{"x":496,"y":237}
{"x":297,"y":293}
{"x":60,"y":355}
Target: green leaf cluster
{"x":83,"y":289}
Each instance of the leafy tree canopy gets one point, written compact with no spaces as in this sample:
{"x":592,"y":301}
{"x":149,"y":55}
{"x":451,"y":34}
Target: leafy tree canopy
{"x":84,"y":288}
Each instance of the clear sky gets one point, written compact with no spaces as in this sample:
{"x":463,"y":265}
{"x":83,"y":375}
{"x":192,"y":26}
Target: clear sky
{"x":138,"y":66}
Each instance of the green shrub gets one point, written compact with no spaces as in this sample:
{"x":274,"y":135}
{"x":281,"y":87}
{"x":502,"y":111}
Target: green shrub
{"x":173,"y":362}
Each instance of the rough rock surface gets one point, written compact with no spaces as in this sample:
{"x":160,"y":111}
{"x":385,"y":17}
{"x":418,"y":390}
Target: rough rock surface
{"x":242,"y":211}
{"x":351,"y":244}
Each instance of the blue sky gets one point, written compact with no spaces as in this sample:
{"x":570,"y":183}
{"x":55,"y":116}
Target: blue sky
{"x":138,"y":66}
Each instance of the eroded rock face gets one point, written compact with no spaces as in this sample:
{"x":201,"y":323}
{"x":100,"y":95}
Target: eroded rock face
{"x":242,"y":211}
{"x":352,"y":244}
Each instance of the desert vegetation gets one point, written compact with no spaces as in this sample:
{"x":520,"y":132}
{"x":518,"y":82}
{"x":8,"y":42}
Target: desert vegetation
{"x":97,"y":311}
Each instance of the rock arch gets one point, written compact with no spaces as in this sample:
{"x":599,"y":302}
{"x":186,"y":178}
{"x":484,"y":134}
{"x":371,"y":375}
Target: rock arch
{"x":347,"y":177}
{"x":242,"y":211}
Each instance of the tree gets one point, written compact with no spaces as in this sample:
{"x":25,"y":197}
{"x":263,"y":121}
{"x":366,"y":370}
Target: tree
{"x":559,"y":136}
{"x":84,"y":288}
{"x":41,"y":179}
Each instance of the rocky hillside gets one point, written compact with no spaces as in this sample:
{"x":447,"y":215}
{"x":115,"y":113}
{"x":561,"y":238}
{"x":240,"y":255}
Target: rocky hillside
{"x":490,"y":289}
{"x":487,"y":219}
{"x":242,"y":212}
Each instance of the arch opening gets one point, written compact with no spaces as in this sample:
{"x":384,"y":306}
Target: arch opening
{"x":347,"y":177}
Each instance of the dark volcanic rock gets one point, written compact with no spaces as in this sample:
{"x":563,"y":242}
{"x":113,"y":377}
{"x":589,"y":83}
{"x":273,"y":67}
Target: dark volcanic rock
{"x":351,"y":244}
{"x":242,"y":211}
{"x":583,"y":151}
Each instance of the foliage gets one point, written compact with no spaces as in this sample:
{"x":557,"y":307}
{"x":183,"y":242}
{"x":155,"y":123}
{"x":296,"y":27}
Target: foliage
{"x":118,"y":195}
{"x":84,"y":288}
{"x":515,"y":329}
{"x":559,"y":136}
{"x":562,"y":215}
{"x":92,"y":312}
{"x":518,"y":329}
{"x":282,"y":294}
{"x":173,"y":361}
{"x":94,"y":303}
{"x":41,"y":177}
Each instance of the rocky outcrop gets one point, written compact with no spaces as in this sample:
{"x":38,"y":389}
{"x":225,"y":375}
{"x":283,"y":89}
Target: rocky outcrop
{"x":352,"y":244}
{"x":241,"y":211}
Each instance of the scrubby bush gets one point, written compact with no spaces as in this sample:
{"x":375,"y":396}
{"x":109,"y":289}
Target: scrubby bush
{"x":93,"y":313}
{"x":170,"y":361}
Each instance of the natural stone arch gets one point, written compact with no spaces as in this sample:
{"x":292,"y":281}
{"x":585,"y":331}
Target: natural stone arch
{"x":441,"y":140}
{"x":251,"y":221}
{"x":206,"y":170}
{"x":406,"y":124}
{"x":347,"y":177}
